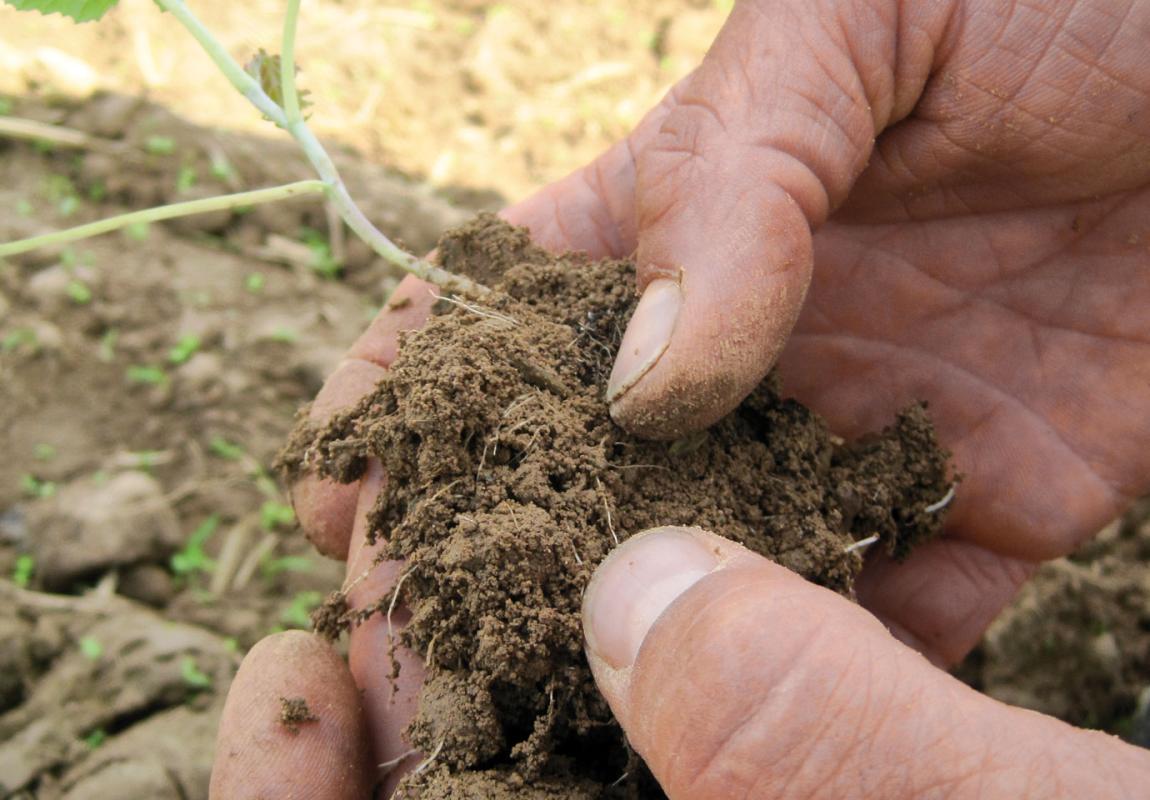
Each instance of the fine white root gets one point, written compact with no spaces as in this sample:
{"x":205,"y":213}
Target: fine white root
{"x":430,"y":650}
{"x":388,"y":766}
{"x":943,"y":503}
{"x":478,"y":311}
{"x":394,"y":600}
{"x":607,"y":510}
{"x":861,"y":544}
{"x":427,"y":762}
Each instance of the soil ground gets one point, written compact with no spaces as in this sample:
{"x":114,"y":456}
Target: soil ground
{"x":147,"y":380}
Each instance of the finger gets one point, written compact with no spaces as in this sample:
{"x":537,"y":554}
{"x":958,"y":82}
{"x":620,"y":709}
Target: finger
{"x":389,"y":703}
{"x":325,"y":508}
{"x":263,"y":752}
{"x":733,"y":677}
{"x":763,"y":142}
{"x":943,"y":596}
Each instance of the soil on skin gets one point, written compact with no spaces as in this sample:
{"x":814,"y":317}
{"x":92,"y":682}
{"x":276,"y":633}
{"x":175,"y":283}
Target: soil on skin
{"x":508,"y":483}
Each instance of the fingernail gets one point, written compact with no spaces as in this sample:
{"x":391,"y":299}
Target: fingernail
{"x":635,"y":584}
{"x":647,"y":336}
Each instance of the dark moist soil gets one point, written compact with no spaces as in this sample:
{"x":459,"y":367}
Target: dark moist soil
{"x":294,"y":712}
{"x":508,"y":483}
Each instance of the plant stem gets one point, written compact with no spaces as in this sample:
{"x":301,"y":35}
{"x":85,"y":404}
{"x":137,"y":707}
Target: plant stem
{"x":297,"y":189}
{"x":248,"y":86}
{"x":287,"y":64}
{"x":315,"y":152}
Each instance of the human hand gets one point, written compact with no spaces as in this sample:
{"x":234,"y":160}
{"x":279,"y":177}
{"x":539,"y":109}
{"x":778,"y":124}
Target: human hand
{"x":986,"y":175}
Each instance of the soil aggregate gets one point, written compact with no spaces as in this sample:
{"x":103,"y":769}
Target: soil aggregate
{"x":508,"y":483}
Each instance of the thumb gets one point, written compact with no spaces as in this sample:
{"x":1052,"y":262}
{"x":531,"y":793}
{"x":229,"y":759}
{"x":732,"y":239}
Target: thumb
{"x":733,"y":677}
{"x":760,"y":144}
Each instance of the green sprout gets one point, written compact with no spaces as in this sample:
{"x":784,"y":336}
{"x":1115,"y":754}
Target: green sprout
{"x":184,"y":349}
{"x":108,"y":345}
{"x":285,"y":335}
{"x":91,"y":648}
{"x":138,"y":231}
{"x":255,"y":282}
{"x":18,"y":338}
{"x":275,"y":515}
{"x":229,"y":451}
{"x":23,"y":570}
{"x":192,"y":558}
{"x":271,"y":567}
{"x":79,"y":292}
{"x":160,"y":145}
{"x":192,"y":674}
{"x":322,"y":260}
{"x":298,"y":612}
{"x":148,"y":375}
{"x":35,"y":487}
{"x":187,"y":178}
{"x":95,"y":738}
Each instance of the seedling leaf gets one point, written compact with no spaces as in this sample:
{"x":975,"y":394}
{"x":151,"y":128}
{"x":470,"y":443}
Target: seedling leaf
{"x":22,"y":571}
{"x":192,"y":674}
{"x":91,"y":648}
{"x":79,"y":10}
{"x":193,"y":558}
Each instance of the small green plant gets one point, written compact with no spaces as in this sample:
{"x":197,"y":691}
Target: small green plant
{"x":146,"y":374}
{"x":192,"y":559}
{"x":322,"y":260}
{"x":160,"y":145}
{"x":35,"y":487}
{"x":298,"y":612}
{"x":184,"y":349}
{"x":23,"y":570}
{"x":95,"y":738}
{"x":91,"y":648}
{"x":224,"y":449}
{"x":138,"y":231}
{"x":272,"y":567}
{"x":269,"y":82}
{"x":255,"y":282}
{"x":79,"y":292}
{"x":274,"y":515}
{"x":187,"y":178}
{"x":192,"y":674}
{"x":108,"y":345}
{"x":18,"y":339}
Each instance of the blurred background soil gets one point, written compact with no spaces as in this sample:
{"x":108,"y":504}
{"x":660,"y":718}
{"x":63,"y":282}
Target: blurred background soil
{"x":147,"y":378}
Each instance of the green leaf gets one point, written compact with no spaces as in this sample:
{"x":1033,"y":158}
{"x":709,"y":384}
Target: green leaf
{"x":225,"y":449}
{"x":192,"y":674}
{"x":193,"y":558}
{"x":23,"y":570}
{"x":79,"y":10}
{"x":184,"y":349}
{"x":274,"y":515}
{"x":298,"y":612}
{"x":91,"y":648}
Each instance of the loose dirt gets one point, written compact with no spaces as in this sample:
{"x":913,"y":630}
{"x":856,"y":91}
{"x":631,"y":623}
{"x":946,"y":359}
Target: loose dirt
{"x":508,"y":483}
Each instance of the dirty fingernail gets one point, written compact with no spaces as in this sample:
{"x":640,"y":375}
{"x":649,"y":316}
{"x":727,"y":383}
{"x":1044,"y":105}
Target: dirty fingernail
{"x":647,"y":336}
{"x":635,"y":584}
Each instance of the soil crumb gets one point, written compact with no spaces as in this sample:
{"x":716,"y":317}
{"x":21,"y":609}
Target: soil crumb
{"x":508,"y":483}
{"x":294,"y":712}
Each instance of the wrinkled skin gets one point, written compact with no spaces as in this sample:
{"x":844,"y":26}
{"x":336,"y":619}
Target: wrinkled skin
{"x":977,"y":175}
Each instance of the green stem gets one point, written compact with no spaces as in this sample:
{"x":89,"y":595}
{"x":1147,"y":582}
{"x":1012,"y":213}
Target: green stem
{"x":227,"y":201}
{"x":287,"y":64}
{"x":248,"y":86}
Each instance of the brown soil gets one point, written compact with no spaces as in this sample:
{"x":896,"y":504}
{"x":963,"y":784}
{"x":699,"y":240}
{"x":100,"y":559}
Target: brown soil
{"x":294,"y":712}
{"x":508,"y":483}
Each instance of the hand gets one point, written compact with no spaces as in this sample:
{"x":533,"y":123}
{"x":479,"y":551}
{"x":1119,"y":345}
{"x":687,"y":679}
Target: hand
{"x":985,"y":170}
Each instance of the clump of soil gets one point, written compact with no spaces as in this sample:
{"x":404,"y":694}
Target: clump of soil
{"x":508,"y":483}
{"x":294,"y":712}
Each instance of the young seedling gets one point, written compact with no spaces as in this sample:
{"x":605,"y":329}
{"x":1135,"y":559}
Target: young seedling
{"x":192,"y":559}
{"x":192,"y":674}
{"x":23,"y":570}
{"x":269,"y":83}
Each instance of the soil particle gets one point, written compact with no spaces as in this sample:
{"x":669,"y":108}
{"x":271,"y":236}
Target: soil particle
{"x":294,"y":712}
{"x":508,"y":483}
